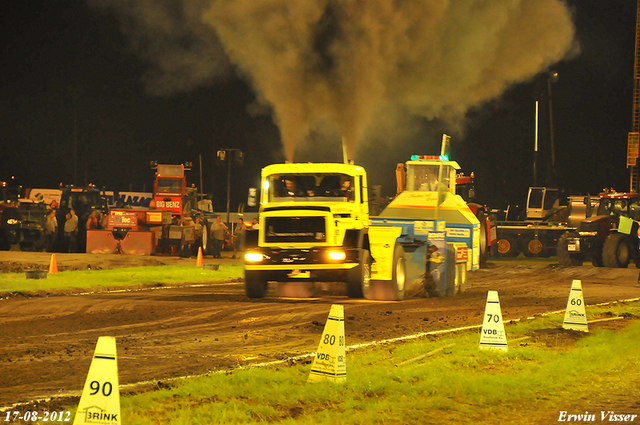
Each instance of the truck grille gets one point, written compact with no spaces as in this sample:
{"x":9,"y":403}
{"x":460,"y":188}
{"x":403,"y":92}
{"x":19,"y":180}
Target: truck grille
{"x":295,"y":229}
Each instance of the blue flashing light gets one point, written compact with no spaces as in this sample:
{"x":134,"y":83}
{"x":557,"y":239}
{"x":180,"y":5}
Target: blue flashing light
{"x":444,"y":157}
{"x":415,"y":157}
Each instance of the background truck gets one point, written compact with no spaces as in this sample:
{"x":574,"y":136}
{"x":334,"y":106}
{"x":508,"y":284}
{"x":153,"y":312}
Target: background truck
{"x":10,"y":219}
{"x":597,"y":239}
{"x":164,"y":227}
{"x":84,"y":201}
{"x":31,"y":236}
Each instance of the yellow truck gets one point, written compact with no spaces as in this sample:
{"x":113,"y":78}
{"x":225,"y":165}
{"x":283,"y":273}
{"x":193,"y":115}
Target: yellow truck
{"x":313,"y":226}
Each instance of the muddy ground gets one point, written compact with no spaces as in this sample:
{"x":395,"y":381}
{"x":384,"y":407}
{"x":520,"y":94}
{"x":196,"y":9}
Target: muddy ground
{"x":164,"y":333}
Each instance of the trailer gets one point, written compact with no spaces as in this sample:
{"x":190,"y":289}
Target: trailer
{"x":548,"y":217}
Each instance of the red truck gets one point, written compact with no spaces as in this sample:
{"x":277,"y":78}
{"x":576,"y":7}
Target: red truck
{"x":165,"y":227}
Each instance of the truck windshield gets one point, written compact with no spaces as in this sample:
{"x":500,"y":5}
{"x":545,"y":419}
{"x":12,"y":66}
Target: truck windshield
{"x":612,"y":206}
{"x":425,"y":177}
{"x":169,"y":185}
{"x":302,"y":187}
{"x":84,"y":201}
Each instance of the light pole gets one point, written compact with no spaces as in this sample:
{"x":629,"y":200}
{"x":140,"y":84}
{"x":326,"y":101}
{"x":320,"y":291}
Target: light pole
{"x":225,"y":155}
{"x":552,"y":78}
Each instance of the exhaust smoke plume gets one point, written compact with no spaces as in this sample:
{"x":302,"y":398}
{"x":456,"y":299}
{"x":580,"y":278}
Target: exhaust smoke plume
{"x":349,"y":67}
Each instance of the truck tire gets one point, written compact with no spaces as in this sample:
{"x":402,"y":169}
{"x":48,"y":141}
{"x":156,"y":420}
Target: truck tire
{"x":508,"y":246}
{"x":255,"y":284}
{"x":533,"y":247}
{"x":617,"y":251}
{"x":484,"y":243}
{"x":5,"y":240}
{"x":389,"y":290}
{"x":359,"y":277}
{"x":566,"y":258}
{"x":395,"y":287}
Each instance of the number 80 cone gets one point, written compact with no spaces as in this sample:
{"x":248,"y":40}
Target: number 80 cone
{"x":330,"y":363}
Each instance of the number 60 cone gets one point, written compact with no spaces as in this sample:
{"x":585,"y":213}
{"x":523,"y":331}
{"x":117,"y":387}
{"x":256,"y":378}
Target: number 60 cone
{"x":575,"y":316}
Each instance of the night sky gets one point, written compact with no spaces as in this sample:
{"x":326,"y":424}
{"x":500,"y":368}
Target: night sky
{"x":68,"y":77}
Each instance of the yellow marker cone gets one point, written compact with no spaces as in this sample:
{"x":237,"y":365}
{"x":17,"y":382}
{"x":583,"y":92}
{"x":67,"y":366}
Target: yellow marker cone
{"x":492,"y":334}
{"x":199,"y":260}
{"x":100,"y":400}
{"x":330,"y":363}
{"x":575,"y":316}
{"x":53,"y":266}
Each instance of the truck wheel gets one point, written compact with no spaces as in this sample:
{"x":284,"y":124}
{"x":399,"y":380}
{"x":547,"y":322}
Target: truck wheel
{"x":484,"y":243}
{"x":616,"y":251}
{"x":359,"y":277}
{"x":532,"y":247}
{"x":5,"y":241}
{"x":255,"y":284}
{"x":566,"y":258}
{"x":389,"y":290}
{"x":395,"y":287}
{"x":508,"y":246}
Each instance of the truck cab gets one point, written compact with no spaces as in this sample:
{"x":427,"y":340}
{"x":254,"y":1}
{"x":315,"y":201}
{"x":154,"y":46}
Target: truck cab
{"x":313,"y":226}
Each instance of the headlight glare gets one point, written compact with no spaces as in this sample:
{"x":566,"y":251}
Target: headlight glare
{"x":253,"y":257}
{"x":337,"y":255}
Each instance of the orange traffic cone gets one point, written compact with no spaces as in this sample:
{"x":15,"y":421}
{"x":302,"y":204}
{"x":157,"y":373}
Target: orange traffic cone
{"x":199,"y":261}
{"x":53,"y":266}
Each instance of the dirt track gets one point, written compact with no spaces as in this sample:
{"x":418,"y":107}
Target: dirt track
{"x":170,"y":332}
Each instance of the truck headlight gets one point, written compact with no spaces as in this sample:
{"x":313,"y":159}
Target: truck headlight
{"x":337,"y":255}
{"x":253,"y":257}
{"x":588,"y":233}
{"x":12,"y":221}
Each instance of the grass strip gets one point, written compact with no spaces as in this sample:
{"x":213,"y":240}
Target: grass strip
{"x":550,"y":371}
{"x":88,"y":280}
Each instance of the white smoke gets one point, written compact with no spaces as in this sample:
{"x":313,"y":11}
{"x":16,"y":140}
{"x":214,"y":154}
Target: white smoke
{"x":355,"y":67}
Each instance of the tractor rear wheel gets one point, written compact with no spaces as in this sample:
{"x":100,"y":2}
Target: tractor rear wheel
{"x":617,"y":251}
{"x":566,"y":258}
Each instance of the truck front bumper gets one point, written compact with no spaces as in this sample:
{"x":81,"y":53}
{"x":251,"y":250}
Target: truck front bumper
{"x":323,"y":264}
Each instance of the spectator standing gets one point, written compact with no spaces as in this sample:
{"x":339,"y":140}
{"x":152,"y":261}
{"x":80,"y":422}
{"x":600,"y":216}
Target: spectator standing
{"x":50,"y":230}
{"x":218,"y":230}
{"x":198,"y":235}
{"x":71,"y":232}
{"x":92,"y":220}
{"x":240,"y":233}
{"x":256,"y":224}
